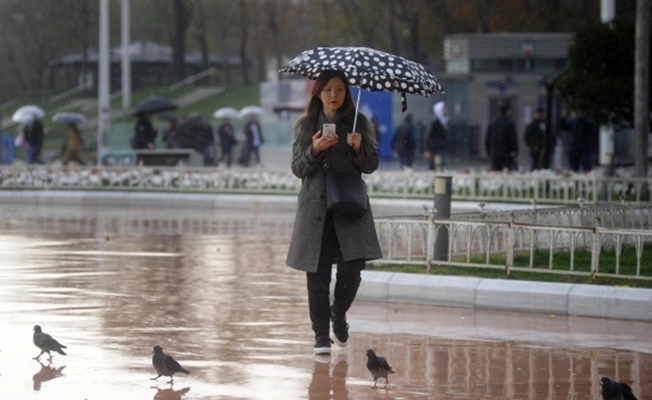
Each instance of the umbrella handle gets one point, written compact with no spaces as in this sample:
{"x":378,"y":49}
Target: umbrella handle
{"x":357,"y":105}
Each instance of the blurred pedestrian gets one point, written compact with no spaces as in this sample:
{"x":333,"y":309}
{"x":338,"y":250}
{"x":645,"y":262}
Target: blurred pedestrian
{"x":33,"y":133}
{"x":536,"y":140}
{"x":583,"y":136}
{"x":501,"y":142}
{"x":255,"y":139}
{"x":404,"y":142}
{"x":144,"y":133}
{"x":197,"y":134}
{"x":72,"y":145}
{"x":169,"y":136}
{"x":436,"y":141}
{"x":205,"y":140}
{"x":226,"y":134}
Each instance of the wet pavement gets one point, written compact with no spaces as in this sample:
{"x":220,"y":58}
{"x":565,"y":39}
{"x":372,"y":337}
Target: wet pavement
{"x":213,"y":290}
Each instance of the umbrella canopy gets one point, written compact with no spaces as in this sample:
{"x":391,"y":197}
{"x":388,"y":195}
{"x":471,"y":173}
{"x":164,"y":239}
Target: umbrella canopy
{"x":369,"y":69}
{"x":69,"y":118}
{"x":26,"y":114}
{"x":154,"y":105}
{"x":226,"y":112}
{"x":255,"y":111}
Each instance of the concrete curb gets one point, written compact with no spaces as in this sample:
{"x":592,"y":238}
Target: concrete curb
{"x":505,"y":295}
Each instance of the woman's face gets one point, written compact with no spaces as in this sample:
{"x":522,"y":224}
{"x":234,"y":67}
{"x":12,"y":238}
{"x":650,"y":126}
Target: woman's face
{"x":332,"y":96}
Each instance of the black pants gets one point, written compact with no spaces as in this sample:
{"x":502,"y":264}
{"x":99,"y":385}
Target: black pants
{"x":346,"y":285}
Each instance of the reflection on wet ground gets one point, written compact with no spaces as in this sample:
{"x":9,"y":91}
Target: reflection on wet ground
{"x":214,"y":292}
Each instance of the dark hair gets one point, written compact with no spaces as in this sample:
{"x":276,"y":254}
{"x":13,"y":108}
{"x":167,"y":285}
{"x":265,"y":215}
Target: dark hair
{"x":315,"y":105}
{"x":503,"y":109}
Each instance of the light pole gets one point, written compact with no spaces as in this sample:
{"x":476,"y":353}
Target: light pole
{"x":642,"y":87}
{"x":103,"y":100}
{"x":126,"y":62}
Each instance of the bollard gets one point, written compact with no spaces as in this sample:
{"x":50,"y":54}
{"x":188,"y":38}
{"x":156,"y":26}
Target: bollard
{"x":609,"y":170}
{"x":443,"y":190}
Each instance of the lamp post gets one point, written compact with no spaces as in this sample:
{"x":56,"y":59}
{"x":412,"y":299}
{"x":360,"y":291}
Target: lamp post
{"x":642,"y":87}
{"x":126,"y":62}
{"x":103,"y":100}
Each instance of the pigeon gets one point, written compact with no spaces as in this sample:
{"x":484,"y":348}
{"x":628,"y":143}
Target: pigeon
{"x":378,"y":367}
{"x":46,"y":343}
{"x":612,"y":390}
{"x":165,"y":365}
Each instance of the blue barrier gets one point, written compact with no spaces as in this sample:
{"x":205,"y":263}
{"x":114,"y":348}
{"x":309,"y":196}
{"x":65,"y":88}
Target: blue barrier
{"x":7,"y":148}
{"x":118,"y":158}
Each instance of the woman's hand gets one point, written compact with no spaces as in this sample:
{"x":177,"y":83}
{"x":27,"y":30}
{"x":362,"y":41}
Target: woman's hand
{"x":321,"y":143}
{"x":354,"y":140}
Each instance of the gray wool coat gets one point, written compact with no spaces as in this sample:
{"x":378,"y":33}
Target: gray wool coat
{"x":357,"y":236}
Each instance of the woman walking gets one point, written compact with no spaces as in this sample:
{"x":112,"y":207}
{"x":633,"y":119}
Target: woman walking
{"x":321,"y":237}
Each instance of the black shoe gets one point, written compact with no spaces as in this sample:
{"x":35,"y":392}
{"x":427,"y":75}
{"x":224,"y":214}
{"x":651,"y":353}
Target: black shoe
{"x":323,"y":345}
{"x":340,"y":330}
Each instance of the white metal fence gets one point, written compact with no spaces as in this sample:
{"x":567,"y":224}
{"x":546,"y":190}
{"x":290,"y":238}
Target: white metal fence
{"x":625,"y":215}
{"x":541,"y":187}
{"x":511,"y":246}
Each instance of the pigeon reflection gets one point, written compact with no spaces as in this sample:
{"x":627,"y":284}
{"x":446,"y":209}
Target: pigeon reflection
{"x":46,"y":373}
{"x":170,"y":394}
{"x":326,"y":383}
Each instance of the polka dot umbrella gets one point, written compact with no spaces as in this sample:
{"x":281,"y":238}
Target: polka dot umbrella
{"x":369,"y":69}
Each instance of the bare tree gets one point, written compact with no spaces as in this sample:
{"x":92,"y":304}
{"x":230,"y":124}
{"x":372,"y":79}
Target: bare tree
{"x":32,"y":33}
{"x":411,"y":17}
{"x":200,"y":34}
{"x":273,"y":18}
{"x":244,"y":32}
{"x":181,"y":22}
{"x":363,"y":21}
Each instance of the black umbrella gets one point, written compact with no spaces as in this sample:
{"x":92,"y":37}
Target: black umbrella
{"x":154,"y":105}
{"x":369,"y":69}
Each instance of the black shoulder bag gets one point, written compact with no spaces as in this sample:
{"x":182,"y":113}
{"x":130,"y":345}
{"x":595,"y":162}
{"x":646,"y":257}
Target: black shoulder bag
{"x":345,"y":193}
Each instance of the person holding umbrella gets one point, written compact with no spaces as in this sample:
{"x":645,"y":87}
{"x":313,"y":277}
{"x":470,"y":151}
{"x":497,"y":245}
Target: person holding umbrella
{"x":254,"y":135}
{"x":33,"y":133}
{"x":226,"y":134}
{"x":322,"y":237}
{"x":73,"y":142}
{"x":144,"y":133}
{"x":72,"y":147}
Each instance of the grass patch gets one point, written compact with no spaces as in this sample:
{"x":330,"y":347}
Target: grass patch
{"x":540,"y":259}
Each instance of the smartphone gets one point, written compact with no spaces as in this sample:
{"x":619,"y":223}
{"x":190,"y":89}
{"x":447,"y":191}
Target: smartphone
{"x":328,"y":130}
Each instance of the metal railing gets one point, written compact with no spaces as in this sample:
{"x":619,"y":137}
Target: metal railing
{"x":512,"y":246}
{"x":624,"y":215}
{"x":192,"y":79}
{"x":68,"y":93}
{"x":513,"y":187}
{"x":522,"y":187}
